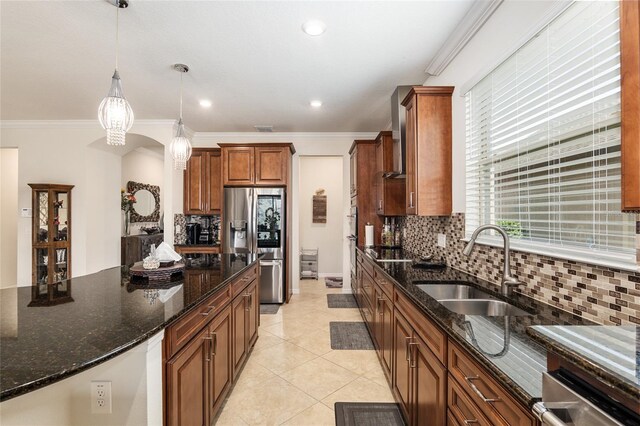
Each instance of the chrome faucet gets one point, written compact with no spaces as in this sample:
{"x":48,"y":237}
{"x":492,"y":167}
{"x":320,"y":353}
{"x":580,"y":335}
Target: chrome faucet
{"x":508,"y":279}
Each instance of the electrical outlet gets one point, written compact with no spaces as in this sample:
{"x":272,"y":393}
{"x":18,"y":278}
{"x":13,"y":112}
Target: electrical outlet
{"x":442,"y":240}
{"x":101,"y":397}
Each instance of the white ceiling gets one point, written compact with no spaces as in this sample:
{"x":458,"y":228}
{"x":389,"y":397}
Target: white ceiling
{"x":250,"y":58}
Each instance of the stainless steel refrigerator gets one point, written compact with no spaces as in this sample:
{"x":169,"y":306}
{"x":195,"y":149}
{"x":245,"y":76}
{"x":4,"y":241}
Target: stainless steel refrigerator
{"x":254,"y":222}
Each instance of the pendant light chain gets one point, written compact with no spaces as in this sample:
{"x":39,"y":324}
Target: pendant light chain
{"x":181,"y":74}
{"x":117,"y":32}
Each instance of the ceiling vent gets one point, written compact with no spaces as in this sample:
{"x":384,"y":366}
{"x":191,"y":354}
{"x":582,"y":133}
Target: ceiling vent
{"x":263,"y":129}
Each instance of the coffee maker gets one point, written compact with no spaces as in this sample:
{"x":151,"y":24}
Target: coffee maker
{"x":194,"y":231}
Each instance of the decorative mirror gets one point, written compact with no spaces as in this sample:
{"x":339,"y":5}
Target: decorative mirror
{"x":147,"y":205}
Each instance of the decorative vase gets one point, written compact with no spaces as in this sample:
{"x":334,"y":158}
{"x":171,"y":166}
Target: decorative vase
{"x":127,"y":215}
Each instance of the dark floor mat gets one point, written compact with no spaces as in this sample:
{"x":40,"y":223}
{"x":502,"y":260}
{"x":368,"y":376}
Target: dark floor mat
{"x":350,"y":336}
{"x":270,"y":309}
{"x":341,"y":301}
{"x":368,"y":414}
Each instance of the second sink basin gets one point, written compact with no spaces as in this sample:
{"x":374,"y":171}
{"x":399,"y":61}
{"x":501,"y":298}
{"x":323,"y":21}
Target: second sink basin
{"x":453,"y":291}
{"x":488,"y":308}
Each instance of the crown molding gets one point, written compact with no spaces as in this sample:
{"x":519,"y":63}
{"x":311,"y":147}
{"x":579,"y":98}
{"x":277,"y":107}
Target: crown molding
{"x":475,"y":18}
{"x":279,"y":136}
{"x":72,"y":124}
{"x":555,"y":8}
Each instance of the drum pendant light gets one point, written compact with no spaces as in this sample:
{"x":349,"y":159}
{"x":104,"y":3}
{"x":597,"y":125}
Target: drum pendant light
{"x":180,"y":147}
{"x":115,"y":113}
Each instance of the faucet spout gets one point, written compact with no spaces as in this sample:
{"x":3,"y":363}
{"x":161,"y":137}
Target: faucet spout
{"x":508,"y":279}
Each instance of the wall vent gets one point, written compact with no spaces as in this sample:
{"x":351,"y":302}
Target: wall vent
{"x":263,"y":129}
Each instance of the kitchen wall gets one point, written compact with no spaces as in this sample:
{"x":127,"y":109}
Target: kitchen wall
{"x":8,"y":217}
{"x":604,"y":295}
{"x":75,"y":153}
{"x":322,"y":173}
{"x":144,"y":165}
{"x":306,"y":144}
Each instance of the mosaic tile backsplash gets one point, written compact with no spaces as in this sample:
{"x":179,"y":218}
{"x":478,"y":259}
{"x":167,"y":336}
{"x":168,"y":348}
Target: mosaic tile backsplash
{"x":604,"y":295}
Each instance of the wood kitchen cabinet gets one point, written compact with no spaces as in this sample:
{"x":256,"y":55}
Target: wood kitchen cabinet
{"x":428,"y":151}
{"x":420,"y":379}
{"x":363,"y":157}
{"x":207,"y":347}
{"x":256,"y":164}
{"x":245,"y":308}
{"x":203,"y":182}
{"x":383,"y":329}
{"x":187,"y":383}
{"x":630,"y":103}
{"x":389,"y":192}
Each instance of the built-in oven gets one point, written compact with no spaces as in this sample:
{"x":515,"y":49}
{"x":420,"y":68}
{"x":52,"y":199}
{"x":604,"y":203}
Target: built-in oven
{"x":569,"y":400}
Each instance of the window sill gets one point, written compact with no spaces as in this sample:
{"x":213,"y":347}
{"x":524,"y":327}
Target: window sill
{"x":603,"y":259}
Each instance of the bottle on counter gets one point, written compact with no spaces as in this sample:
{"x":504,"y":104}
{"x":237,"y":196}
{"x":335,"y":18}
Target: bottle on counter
{"x":397,"y":236}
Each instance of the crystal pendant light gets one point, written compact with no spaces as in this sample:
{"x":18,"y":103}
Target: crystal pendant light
{"x":180,"y":147}
{"x":115,"y":113}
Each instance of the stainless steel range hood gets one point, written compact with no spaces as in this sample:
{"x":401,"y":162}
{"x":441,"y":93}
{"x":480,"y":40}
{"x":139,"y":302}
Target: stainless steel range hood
{"x":398,"y":118}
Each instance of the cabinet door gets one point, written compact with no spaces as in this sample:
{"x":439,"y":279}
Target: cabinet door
{"x":379,"y":180}
{"x":386,"y":332}
{"x":214,"y":182}
{"x":402,"y":370}
{"x":220,"y":372}
{"x":252,"y":313}
{"x":194,"y":184}
{"x":239,"y":332}
{"x":429,"y":399}
{"x":272,"y":166}
{"x":238,"y":166}
{"x":377,"y":319}
{"x":187,"y":384}
{"x":410,"y":156}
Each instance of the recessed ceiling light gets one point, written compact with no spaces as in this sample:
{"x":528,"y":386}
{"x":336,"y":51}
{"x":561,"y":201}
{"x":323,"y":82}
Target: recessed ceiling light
{"x":205,"y":103}
{"x":316,"y":104}
{"x":314,"y":27}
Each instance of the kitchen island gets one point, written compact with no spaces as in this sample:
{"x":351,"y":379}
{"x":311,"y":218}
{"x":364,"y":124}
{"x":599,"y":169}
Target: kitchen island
{"x":56,"y":331}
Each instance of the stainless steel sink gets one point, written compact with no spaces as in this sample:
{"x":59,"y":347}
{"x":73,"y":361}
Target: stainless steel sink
{"x":453,"y":292}
{"x":488,"y":308}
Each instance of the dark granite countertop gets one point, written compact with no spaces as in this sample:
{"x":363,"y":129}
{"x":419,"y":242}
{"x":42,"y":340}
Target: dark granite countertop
{"x":519,"y":363}
{"x":51,"y":332}
{"x":612,"y":353}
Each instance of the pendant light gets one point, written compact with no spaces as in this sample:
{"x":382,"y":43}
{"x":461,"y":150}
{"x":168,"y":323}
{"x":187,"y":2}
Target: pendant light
{"x":180,"y":147}
{"x":115,"y":113}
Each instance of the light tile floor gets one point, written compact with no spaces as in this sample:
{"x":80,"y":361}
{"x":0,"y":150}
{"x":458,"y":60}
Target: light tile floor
{"x":293,"y":376}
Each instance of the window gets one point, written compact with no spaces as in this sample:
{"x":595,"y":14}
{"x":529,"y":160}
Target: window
{"x":543,"y":140}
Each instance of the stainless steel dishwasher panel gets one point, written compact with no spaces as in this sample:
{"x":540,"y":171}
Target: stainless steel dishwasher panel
{"x":271,"y":281}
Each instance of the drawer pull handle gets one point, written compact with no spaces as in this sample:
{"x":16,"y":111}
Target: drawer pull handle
{"x":214,"y":346}
{"x":406,"y":348}
{"x":205,"y":314}
{"x":412,"y":362}
{"x":477,"y":391}
{"x":469,"y":422}
{"x":208,"y":353}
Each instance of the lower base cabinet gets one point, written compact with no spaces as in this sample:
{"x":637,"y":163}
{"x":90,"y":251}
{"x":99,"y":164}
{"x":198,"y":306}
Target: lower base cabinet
{"x":202,"y":364}
{"x":420,"y":381}
{"x":187,"y":384}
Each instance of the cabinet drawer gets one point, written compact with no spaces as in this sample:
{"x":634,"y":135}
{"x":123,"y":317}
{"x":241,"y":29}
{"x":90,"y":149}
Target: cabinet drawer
{"x":493,"y":401}
{"x":241,"y":282}
{"x":462,"y":408}
{"x":368,"y":266}
{"x":434,"y":338}
{"x":181,"y":332}
{"x":385,"y":285}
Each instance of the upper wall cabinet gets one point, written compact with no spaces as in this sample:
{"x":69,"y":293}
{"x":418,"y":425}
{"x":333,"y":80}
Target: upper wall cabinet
{"x":256,"y":164}
{"x":389,"y":192}
{"x":428,"y":150}
{"x":202,"y":182}
{"x":630,"y":97}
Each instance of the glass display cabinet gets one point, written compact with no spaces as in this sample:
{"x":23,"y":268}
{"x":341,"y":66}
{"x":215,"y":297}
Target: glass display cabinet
{"x":51,"y":246}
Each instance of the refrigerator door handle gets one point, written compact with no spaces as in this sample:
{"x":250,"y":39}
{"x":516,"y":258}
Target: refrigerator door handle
{"x":271,"y":263}
{"x":254,"y":220}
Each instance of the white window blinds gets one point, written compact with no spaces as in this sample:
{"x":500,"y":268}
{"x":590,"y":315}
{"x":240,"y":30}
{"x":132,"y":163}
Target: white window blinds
{"x":543,"y":138}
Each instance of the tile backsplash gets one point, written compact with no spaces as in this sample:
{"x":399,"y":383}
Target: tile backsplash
{"x":604,"y":295}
